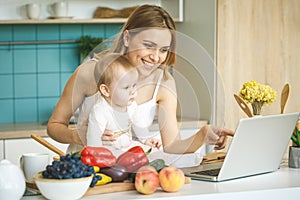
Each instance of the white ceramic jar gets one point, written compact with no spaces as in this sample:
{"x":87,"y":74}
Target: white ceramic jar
{"x":60,"y":9}
{"x":12,"y":181}
{"x":33,"y":10}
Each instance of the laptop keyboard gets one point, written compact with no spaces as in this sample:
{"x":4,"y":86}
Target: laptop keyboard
{"x":210,"y":172}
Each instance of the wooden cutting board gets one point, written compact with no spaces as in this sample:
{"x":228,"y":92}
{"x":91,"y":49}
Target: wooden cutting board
{"x":110,"y":187}
{"x":118,"y":187}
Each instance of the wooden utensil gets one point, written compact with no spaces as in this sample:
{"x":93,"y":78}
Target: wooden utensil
{"x":285,"y":93}
{"x":47,"y":144}
{"x":243,"y":105}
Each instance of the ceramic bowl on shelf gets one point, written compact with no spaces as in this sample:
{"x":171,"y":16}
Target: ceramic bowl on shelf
{"x":62,"y":188}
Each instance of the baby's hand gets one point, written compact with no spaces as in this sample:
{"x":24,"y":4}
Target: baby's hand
{"x":107,"y":138}
{"x":153,"y":142}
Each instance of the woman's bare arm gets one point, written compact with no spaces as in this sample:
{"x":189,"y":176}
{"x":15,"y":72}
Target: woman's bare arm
{"x":78,"y":86}
{"x":170,"y":133}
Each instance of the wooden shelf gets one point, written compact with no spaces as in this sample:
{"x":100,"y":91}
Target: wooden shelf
{"x":68,"y":21}
{"x":82,"y":11}
{"x":64,"y":21}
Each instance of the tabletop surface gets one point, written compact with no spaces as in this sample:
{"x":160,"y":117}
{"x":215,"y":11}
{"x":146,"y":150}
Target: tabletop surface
{"x":274,"y":185}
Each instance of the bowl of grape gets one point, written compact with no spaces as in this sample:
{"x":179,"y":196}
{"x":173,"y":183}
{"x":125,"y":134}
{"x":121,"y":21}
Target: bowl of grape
{"x":66,"y":178}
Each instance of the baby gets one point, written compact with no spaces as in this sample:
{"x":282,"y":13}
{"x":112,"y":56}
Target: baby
{"x":113,"y":111}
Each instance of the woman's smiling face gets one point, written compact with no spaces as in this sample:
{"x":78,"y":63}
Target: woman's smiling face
{"x":148,"y":49}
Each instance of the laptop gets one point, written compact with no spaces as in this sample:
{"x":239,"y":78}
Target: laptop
{"x":257,"y":147}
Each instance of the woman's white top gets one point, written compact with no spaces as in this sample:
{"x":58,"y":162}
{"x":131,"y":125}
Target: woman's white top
{"x":144,"y":115}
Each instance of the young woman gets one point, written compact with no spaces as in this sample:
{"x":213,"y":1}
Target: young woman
{"x":148,"y":41}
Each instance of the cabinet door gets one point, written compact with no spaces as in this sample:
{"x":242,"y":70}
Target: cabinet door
{"x":14,"y":148}
{"x":1,"y":150}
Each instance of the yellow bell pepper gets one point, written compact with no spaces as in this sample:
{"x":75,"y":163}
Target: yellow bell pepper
{"x":105,"y":179}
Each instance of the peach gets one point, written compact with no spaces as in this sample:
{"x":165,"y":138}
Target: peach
{"x":171,"y":179}
{"x":146,"y":180}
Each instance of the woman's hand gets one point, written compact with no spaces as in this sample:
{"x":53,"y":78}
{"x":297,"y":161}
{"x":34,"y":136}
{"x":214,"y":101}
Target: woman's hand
{"x":153,"y":142}
{"x":108,"y":138}
{"x":217,"y":136}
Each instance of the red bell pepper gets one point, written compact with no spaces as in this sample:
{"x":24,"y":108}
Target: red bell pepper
{"x":133,"y":159}
{"x":98,"y":156}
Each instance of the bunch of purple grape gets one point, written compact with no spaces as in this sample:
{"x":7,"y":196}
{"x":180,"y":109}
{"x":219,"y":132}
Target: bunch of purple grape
{"x":68,"y":167}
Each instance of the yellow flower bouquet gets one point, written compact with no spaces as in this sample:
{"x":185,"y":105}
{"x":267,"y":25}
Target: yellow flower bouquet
{"x":258,"y":95}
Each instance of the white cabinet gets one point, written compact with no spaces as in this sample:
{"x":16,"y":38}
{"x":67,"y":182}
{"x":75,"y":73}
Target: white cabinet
{"x":14,"y":148}
{"x":1,"y":149}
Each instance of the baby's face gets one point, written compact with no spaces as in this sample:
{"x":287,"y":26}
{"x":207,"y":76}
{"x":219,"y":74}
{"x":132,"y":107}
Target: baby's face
{"x":123,"y":87}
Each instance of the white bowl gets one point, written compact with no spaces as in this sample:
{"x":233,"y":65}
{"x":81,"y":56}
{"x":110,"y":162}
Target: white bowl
{"x":62,"y":188}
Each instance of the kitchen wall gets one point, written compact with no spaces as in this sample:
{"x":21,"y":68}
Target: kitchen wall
{"x":258,"y":40}
{"x":32,"y":77}
{"x":196,"y":90}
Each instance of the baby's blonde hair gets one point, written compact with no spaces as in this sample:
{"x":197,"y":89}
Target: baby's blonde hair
{"x":106,"y":67}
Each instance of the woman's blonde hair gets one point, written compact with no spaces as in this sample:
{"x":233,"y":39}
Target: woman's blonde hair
{"x":148,"y":16}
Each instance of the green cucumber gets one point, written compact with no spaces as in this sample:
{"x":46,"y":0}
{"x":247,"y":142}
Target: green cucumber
{"x":158,"y":164}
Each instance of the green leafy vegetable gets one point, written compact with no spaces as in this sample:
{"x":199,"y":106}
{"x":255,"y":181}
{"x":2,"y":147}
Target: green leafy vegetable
{"x":87,"y":44}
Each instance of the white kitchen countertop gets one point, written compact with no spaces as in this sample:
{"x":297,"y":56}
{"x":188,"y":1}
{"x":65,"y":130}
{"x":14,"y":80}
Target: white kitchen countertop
{"x":24,"y":130}
{"x":282,"y":184}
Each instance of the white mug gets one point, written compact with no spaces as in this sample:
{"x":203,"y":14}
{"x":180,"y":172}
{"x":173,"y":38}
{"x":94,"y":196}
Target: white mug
{"x":32,"y":163}
{"x":33,"y":10}
{"x":60,"y":9}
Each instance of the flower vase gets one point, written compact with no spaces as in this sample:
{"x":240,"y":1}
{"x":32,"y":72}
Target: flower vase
{"x":294,"y":157}
{"x":256,"y":107}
